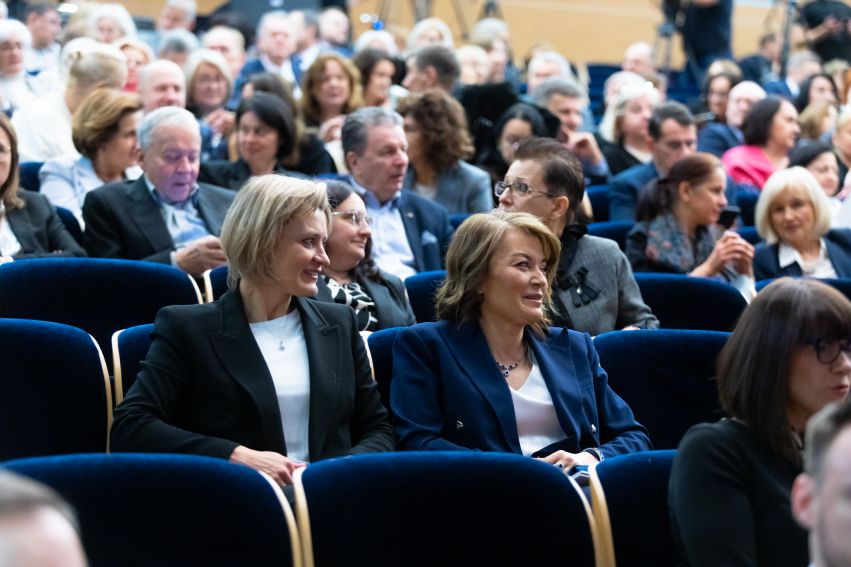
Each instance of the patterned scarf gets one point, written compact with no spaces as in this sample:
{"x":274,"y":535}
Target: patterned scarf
{"x":667,"y":244}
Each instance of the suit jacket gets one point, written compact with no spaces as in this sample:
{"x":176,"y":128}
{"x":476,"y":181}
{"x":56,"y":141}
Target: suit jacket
{"x":254,"y":66}
{"x":392,"y":308}
{"x":717,"y":138}
{"x":205,"y":387}
{"x":39,"y":230}
{"x":231,"y":174}
{"x":464,"y":188}
{"x":123,"y":221}
{"x":780,"y":88}
{"x":448,"y":393}
{"x":625,"y":189}
{"x":766,"y":263}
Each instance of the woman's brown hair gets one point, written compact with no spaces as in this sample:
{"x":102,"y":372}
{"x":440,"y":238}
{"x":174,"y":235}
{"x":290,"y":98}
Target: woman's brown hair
{"x":9,"y":188}
{"x":443,"y":125}
{"x":313,"y":77}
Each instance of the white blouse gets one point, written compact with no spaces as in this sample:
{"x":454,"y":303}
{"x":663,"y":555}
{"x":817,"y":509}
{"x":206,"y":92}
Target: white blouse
{"x":9,"y":245}
{"x":282,"y":344}
{"x":537,"y":422}
{"x":821,"y":267}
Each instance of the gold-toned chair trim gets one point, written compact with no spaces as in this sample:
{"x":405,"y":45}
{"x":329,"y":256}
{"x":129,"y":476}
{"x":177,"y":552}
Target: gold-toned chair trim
{"x":117,"y":379}
{"x":208,"y":286}
{"x":292,"y":528}
{"x":595,"y":535}
{"x":107,"y":388}
{"x":198,"y":295}
{"x":303,"y":518}
{"x":601,"y":517}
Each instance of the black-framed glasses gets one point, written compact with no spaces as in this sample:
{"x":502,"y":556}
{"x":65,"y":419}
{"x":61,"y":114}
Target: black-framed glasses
{"x":518,"y":187}
{"x":828,"y":350}
{"x":354,"y":217}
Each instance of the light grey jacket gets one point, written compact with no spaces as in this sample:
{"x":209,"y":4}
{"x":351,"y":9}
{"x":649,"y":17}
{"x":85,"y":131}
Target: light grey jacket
{"x":463,"y":189}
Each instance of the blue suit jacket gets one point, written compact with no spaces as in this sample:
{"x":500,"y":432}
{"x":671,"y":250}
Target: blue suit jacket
{"x":448,"y":393}
{"x":779,"y":88}
{"x":625,"y":189}
{"x":254,"y":66}
{"x":766,"y":264}
{"x":717,"y":138}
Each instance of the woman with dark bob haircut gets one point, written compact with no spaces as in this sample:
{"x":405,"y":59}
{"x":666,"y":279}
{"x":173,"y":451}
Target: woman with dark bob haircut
{"x":771,"y":130}
{"x":731,"y":480}
{"x":438,"y":144}
{"x":351,"y":276}
{"x":492,"y":375}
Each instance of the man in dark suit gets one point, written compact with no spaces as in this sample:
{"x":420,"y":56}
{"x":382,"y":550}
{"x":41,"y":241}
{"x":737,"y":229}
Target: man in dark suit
{"x":717,"y":137}
{"x":165,"y":215}
{"x":800,"y":66}
{"x":409,"y":233}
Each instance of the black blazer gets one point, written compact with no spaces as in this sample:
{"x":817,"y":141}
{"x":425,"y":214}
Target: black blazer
{"x":766,"y":264}
{"x":123,"y":221}
{"x":232,"y":174}
{"x":391,"y":301}
{"x":39,"y":230}
{"x":205,"y":387}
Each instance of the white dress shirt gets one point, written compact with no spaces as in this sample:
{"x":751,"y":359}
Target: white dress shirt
{"x":821,"y":267}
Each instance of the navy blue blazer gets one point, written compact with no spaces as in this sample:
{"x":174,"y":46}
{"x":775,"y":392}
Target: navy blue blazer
{"x":766,"y":264}
{"x":448,"y":393}
{"x":779,"y":88}
{"x":717,"y":138}
{"x":625,"y":189}
{"x":254,"y":66}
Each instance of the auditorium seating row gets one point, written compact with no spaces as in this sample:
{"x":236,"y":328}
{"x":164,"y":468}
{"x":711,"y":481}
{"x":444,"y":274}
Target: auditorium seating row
{"x":454,"y":508}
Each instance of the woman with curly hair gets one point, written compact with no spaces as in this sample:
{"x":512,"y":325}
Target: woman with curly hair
{"x":438,"y":142}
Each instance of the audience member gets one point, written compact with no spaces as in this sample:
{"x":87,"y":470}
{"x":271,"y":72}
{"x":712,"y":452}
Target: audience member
{"x":162,"y":83}
{"x":475,"y":65}
{"x":334,"y":29}
{"x":29,"y":225}
{"x":616,"y":82}
{"x":718,"y":137}
{"x":542,"y":66}
{"x":176,"y":45}
{"x":793,"y":217}
{"x":331,"y":89}
{"x":519,"y":386}
{"x":816,"y":121}
{"x":817,"y":88}
{"x":208,"y":89}
{"x":230,"y":43}
{"x":138,"y":54}
{"x":716,"y":95}
{"x":164,"y":216}
{"x":673,"y":136}
{"x":762,"y":67}
{"x":492,"y":35}
{"x":770,"y":131}
{"x":177,"y":14}
{"x":110,"y":22}
{"x":45,"y":125}
{"x":104,"y":133}
{"x":638,"y":58}
{"x":45,"y":25}
{"x":308,"y":44}
{"x":677,"y":228}
{"x":731,"y":480}
{"x":624,"y":127}
{"x":351,"y":276}
{"x":707,"y":35}
{"x":820,"y":493}
{"x":800,"y":66}
{"x":841,"y":141}
{"x":820,"y":159}
{"x":381,"y":40}
{"x":519,"y":122}
{"x":276,"y":46}
{"x":37,"y":527}
{"x":595,"y":291}
{"x":410,"y":233}
{"x":429,"y":31}
{"x":377,"y":69}
{"x":432,"y":67}
{"x":17,"y":89}
{"x":305,"y":359}
{"x":438,"y":143}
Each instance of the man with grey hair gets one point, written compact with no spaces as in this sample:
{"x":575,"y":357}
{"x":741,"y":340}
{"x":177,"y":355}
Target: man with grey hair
{"x":276,"y":48}
{"x":162,"y":83}
{"x":176,"y":45}
{"x":567,"y":100}
{"x":638,"y":58}
{"x":409,"y":233}
{"x":164,"y":216}
{"x":800,"y":66}
{"x":230,"y":43}
{"x":821,"y":495}
{"x":718,"y":137}
{"x":37,"y":527}
{"x":543,"y":65}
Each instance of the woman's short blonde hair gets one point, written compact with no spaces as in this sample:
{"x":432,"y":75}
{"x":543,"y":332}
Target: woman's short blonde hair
{"x":210,"y":57}
{"x":97,"y":119}
{"x":97,"y":65}
{"x":610,"y":127}
{"x":468,"y":263}
{"x":812,"y":119}
{"x":795,"y":177}
{"x":254,"y":222}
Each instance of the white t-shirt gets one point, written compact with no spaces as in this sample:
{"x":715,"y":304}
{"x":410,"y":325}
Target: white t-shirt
{"x":537,"y":422}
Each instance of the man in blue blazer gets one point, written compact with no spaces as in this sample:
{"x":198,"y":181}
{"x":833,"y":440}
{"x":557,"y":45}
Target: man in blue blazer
{"x":717,"y":137}
{"x":409,"y":233}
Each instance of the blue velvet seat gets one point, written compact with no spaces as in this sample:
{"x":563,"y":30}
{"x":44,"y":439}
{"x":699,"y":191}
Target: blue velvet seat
{"x":97,"y":295}
{"x":54,"y":391}
{"x":421,"y":289}
{"x":746,"y":200}
{"x":456,"y":219}
{"x":750,"y":234}
{"x":613,"y":230}
{"x":129,"y":348}
{"x":630,"y":498}
{"x":684,"y":302}
{"x":142,"y":510}
{"x":72,"y":225}
{"x":599,"y":197}
{"x":840,"y":284}
{"x":666,"y":377}
{"x":29,"y":178}
{"x":215,"y":283}
{"x":381,"y":350}
{"x":435,"y":508}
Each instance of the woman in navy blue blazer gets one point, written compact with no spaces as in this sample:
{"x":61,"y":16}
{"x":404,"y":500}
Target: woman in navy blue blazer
{"x":491,"y":375}
{"x":793,"y":217}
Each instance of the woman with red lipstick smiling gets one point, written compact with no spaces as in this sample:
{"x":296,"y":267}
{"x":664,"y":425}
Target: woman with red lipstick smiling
{"x":731,"y":480}
{"x":491,"y":375}
{"x":263,"y":376}
{"x":351,"y":276}
{"x":793,"y":219}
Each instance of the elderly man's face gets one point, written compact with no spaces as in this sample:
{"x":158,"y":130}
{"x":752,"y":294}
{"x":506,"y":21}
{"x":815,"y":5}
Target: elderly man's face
{"x":164,"y":86}
{"x":277,"y":40}
{"x":172,"y":160}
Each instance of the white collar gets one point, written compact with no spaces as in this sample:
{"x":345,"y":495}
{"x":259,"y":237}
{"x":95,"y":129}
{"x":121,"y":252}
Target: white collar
{"x":787,"y":255}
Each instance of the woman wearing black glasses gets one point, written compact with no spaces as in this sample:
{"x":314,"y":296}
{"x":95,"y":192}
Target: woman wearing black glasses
{"x":731,"y":480}
{"x":351,"y":277}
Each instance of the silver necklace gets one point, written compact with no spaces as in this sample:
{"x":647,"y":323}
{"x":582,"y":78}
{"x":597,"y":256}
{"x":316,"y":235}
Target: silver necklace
{"x":506,"y":370}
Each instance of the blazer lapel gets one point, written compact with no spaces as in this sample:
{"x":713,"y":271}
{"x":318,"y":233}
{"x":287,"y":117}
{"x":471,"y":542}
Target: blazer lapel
{"x":471,"y":352}
{"x":239,"y":354}
{"x":412,"y":230}
{"x":323,"y":353}
{"x":554,"y":361}
{"x":19,"y":221}
{"x":211,"y":211}
{"x":147,"y":216}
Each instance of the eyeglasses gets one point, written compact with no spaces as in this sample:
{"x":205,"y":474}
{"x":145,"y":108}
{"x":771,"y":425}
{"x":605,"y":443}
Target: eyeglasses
{"x":828,"y":350}
{"x":355,"y":217}
{"x":518,"y":187}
